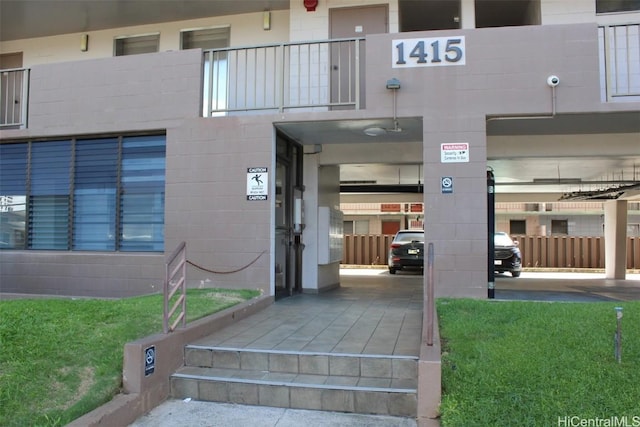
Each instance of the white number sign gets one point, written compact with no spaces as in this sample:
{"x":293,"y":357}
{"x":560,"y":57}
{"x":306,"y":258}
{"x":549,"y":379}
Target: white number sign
{"x":429,"y":52}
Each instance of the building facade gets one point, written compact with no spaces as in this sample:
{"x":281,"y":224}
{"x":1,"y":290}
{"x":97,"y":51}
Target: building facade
{"x":238,"y":132}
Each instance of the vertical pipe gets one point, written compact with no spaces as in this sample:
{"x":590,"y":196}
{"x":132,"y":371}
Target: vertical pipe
{"x":357,"y":71}
{"x":491,"y":228}
{"x":430,"y":296}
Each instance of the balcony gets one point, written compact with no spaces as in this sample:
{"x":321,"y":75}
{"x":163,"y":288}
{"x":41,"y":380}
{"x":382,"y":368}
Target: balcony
{"x":14,"y":93}
{"x":281,"y":77}
{"x":619,"y":47}
{"x":320,"y":76}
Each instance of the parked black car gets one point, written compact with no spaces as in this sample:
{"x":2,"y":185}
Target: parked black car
{"x":507,"y":256}
{"x":407,"y":250}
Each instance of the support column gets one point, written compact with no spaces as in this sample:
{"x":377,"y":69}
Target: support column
{"x":615,"y":239}
{"x":468,"y":12}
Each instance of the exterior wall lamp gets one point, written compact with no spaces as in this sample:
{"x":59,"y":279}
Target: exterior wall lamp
{"x":393,"y":84}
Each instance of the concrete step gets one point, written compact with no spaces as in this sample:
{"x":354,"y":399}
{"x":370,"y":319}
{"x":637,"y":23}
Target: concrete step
{"x":367,"y":384}
{"x":355,"y":365}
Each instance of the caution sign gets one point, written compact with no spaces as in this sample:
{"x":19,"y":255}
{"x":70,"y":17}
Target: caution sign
{"x":454,"y":152}
{"x":257,"y":183}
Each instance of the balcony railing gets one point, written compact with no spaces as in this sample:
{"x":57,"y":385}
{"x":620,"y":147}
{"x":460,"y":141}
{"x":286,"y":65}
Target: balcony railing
{"x":14,"y":94}
{"x":620,"y":61}
{"x":311,"y":75}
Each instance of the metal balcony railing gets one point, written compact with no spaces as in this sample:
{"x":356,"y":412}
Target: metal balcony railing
{"x":14,"y":96}
{"x":620,"y":60}
{"x":323,"y":74}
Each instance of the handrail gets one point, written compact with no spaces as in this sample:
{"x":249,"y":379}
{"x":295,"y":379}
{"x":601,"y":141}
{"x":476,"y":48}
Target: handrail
{"x":175,"y":281}
{"x":283,"y":76}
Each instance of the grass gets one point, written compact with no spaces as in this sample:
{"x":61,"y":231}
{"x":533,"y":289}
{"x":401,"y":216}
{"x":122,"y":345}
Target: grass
{"x":61,"y":358}
{"x":532,"y":364}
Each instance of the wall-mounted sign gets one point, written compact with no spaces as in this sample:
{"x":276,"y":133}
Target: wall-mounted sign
{"x":257,"y":183}
{"x":446,"y":184}
{"x":454,"y":153}
{"x":428,"y":52}
{"x":149,"y":360}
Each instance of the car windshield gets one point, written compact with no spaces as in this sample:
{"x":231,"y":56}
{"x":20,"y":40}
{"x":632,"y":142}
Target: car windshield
{"x":410,"y":237}
{"x":502,"y":239}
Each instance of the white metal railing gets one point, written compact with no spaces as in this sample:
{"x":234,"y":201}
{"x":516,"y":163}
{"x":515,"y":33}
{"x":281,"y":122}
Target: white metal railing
{"x":175,"y":290}
{"x":14,"y":95}
{"x":283,"y":76}
{"x":620,"y":60}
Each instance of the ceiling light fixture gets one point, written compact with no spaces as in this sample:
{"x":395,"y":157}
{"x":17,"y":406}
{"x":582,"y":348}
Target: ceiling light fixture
{"x":375,"y":131}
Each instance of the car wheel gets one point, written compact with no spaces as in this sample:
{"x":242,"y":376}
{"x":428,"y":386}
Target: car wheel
{"x":392,"y":271}
{"x":515,"y":273}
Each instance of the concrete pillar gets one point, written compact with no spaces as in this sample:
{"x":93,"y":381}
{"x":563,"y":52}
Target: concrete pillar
{"x":615,"y":239}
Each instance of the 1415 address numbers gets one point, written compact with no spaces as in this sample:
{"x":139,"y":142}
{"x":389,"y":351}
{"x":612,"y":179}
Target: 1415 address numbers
{"x":428,"y":52}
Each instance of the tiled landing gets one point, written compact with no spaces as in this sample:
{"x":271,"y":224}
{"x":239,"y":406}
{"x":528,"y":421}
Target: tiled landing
{"x":354,"y":349}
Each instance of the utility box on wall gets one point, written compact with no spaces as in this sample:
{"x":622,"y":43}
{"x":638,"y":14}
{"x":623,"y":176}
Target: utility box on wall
{"x":330,"y":235}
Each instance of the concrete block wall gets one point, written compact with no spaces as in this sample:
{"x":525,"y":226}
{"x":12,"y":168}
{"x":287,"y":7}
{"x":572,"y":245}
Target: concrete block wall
{"x":206,"y":203}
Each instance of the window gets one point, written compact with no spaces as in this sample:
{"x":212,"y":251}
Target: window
{"x":49,"y":196}
{"x":208,"y":38}
{"x":559,"y":226}
{"x":215,"y":64}
{"x":142,"y":194}
{"x":94,"y":197}
{"x":136,"y":45}
{"x":102,"y":194}
{"x":608,"y":6}
{"x":517,"y":226}
{"x":13,"y":193}
{"x":356,"y":227}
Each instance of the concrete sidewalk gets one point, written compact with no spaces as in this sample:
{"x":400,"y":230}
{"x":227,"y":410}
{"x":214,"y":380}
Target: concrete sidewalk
{"x":180,"y":413}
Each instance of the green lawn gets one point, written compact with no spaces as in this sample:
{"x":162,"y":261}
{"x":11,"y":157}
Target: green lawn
{"x":535,"y":363}
{"x":61,"y":358}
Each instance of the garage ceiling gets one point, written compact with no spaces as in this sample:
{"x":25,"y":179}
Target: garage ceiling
{"x":533,"y":159}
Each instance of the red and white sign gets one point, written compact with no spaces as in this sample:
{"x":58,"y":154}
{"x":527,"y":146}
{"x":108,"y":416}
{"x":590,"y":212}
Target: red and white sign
{"x":457,"y":152}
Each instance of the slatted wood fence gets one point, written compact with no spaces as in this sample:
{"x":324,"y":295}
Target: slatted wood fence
{"x":537,"y":251}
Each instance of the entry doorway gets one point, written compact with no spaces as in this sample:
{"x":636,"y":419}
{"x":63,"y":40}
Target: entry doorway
{"x":352,"y":22}
{"x":289,"y":217}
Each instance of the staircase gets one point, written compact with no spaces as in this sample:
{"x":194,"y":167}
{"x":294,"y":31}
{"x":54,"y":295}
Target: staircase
{"x":357,"y":383}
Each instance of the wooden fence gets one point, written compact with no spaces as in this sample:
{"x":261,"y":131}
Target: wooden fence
{"x":537,"y":251}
